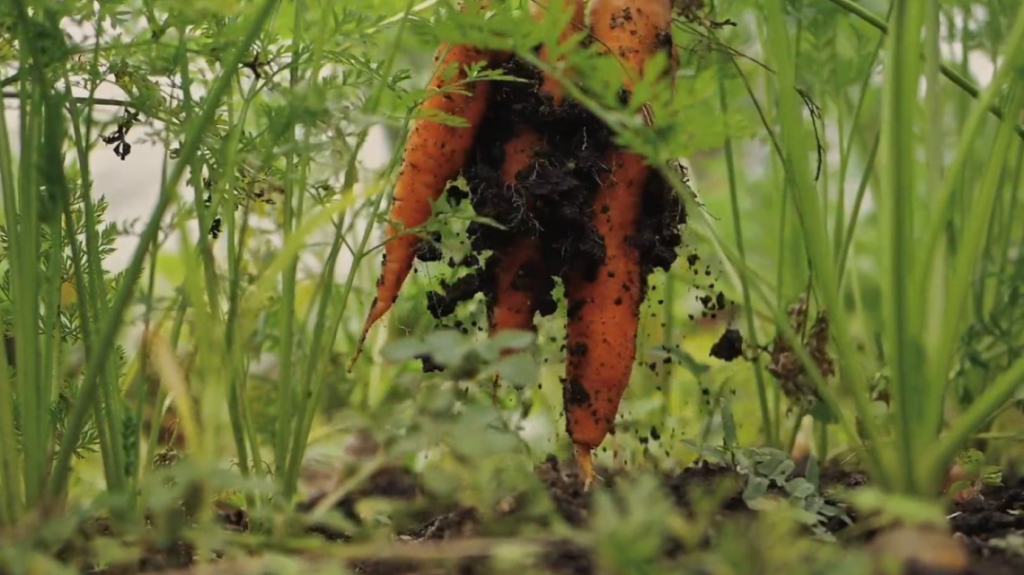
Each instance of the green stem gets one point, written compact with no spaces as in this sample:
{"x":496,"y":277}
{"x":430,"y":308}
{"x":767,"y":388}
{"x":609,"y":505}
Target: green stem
{"x":57,"y":190}
{"x":963,"y":274}
{"x":812,"y":224}
{"x":858,"y":202}
{"x":11,"y":502}
{"x":903,"y":70}
{"x":239,"y":372}
{"x":22,"y":219}
{"x":316,"y":365}
{"x":730,"y":163}
{"x":85,"y":268}
{"x":237,"y":407}
{"x":112,"y":322}
{"x":794,"y":432}
{"x":981,"y":411}
{"x":309,"y":396}
{"x":941,"y":344}
{"x":821,"y":440}
{"x":285,"y":397}
{"x":868,"y":165}
{"x":92,"y":292}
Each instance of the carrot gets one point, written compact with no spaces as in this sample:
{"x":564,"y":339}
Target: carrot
{"x":513,"y":306}
{"x":434,"y":154}
{"x":605,"y":308}
{"x":577,"y":23}
{"x":517,"y":268}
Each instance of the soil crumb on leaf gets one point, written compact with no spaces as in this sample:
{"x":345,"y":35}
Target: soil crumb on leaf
{"x":729,"y":346}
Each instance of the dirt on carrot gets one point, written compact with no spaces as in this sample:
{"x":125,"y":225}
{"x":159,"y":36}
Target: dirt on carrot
{"x":434,"y":155}
{"x":561,"y":183}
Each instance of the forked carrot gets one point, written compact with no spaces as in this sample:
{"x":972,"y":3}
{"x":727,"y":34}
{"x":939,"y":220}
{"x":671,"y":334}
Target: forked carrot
{"x":604,"y":309}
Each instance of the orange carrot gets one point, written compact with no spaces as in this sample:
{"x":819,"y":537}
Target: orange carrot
{"x":434,"y":154}
{"x":514,"y":290}
{"x":604,"y":310}
{"x":514,"y":308}
{"x":515,"y":283}
{"x":577,"y":23}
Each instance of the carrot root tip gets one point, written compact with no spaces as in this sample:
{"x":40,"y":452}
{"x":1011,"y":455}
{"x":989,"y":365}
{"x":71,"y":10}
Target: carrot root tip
{"x":585,"y":462}
{"x":357,"y":353}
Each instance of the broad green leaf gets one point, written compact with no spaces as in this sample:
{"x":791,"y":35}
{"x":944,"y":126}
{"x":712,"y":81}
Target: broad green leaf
{"x":404,"y":349}
{"x":757,"y":487}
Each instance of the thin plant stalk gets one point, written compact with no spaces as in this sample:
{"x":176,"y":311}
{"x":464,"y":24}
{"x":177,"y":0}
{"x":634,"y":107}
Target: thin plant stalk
{"x":843,"y":244}
{"x":730,"y":163}
{"x":963,"y":267}
{"x":858,"y":202}
{"x":941,"y":345}
{"x":11,"y":494}
{"x":943,"y":207}
{"x":899,"y":172}
{"x":113,"y":319}
{"x":312,"y":383}
{"x":811,"y":222}
{"x":21,"y":208}
{"x":285,"y":397}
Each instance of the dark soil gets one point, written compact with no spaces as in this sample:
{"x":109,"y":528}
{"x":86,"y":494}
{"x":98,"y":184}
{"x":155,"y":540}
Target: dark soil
{"x":999,"y":512}
{"x":729,"y":346}
{"x":976,"y":523}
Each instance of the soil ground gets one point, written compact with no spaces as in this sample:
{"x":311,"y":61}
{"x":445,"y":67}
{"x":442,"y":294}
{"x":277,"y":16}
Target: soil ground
{"x":979,"y":523}
{"x":997,"y":513}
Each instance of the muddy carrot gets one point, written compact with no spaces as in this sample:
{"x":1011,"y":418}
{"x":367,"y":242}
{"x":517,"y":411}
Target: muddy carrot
{"x":435,"y":153}
{"x":604,"y":308}
{"x":518,"y":266}
{"x":515,"y":270}
{"x":514,"y":308}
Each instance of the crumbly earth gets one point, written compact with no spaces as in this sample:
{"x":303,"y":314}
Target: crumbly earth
{"x":980,"y":524}
{"x":977,"y":523}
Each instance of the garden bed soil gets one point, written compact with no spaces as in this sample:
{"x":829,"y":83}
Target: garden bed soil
{"x":977,"y":523}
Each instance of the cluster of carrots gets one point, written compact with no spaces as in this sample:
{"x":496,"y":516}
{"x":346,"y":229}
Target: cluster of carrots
{"x":603,"y":302}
